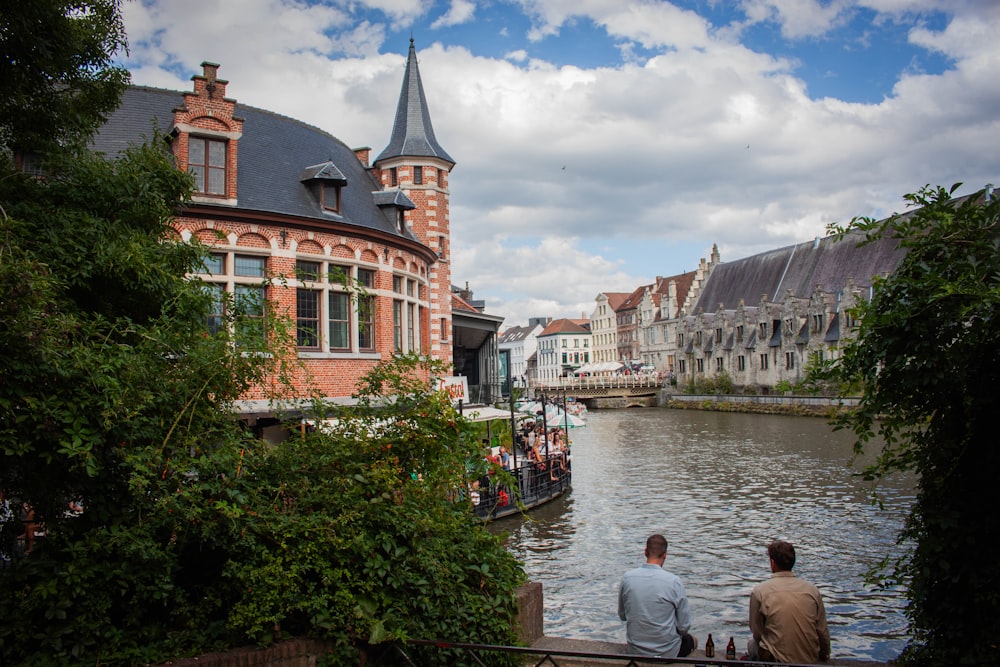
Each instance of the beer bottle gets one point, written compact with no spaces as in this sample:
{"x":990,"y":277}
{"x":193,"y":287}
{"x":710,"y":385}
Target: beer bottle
{"x":709,"y":647}
{"x":731,"y":650}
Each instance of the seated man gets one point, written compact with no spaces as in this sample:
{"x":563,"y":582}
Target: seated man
{"x":654,"y":606}
{"x":787,"y":617}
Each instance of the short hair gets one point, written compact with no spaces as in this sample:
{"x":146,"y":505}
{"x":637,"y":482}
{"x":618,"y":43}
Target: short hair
{"x":782,"y":553}
{"x":656,"y":546}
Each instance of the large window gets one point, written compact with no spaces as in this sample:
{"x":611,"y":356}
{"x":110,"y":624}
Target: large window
{"x":331,"y":313}
{"x":242,"y":277}
{"x":340,"y":321}
{"x":397,"y":325}
{"x":207,"y":163}
{"x":366,"y":322}
{"x":307,"y":317}
{"x":215,"y":320}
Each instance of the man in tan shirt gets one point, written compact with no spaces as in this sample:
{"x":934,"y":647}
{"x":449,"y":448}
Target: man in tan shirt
{"x":787,"y":617}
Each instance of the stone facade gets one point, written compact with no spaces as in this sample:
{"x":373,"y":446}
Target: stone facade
{"x":760,"y":321}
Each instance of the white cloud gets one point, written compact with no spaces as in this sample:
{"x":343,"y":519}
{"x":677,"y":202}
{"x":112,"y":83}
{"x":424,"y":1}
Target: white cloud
{"x":572,"y":181}
{"x":460,"y":11}
{"x":798,"y":18}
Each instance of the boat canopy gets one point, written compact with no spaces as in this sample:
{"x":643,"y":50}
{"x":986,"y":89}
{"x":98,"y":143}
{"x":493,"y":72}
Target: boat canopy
{"x":485,"y":413}
{"x":603,"y":367}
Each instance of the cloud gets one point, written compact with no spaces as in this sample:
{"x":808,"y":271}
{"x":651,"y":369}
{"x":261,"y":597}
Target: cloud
{"x":573,"y":179}
{"x":799,"y":19}
{"x":460,"y":11}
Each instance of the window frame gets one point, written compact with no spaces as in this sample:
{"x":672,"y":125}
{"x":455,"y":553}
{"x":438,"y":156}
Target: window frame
{"x":202,"y":171}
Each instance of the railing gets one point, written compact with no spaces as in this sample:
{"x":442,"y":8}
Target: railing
{"x":600,"y":382}
{"x":536,"y":483}
{"x":417,"y":652}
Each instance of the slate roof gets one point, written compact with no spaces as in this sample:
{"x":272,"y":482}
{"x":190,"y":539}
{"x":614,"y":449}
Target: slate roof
{"x":412,"y":132}
{"x":515,"y":334}
{"x":799,"y":268}
{"x":275,"y":154}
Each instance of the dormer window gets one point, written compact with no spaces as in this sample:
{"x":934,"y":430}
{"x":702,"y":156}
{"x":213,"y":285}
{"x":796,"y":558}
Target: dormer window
{"x":326,"y":181}
{"x":394,"y":205}
{"x":207,"y":163}
{"x":331,"y":197}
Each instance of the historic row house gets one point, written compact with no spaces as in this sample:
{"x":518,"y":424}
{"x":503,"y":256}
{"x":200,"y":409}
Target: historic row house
{"x":763,"y":319}
{"x":355,"y":252}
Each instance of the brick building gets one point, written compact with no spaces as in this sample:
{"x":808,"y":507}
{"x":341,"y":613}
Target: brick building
{"x":297,"y":221}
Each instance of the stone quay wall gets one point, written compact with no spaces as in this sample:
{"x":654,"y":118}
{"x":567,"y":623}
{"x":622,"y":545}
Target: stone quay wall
{"x":814,"y":406}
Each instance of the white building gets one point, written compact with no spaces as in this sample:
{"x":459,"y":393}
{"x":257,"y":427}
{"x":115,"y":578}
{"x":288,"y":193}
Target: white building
{"x":563,"y":346}
{"x":520,"y":343}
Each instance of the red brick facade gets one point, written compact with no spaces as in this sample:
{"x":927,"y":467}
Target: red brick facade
{"x":410,"y":285}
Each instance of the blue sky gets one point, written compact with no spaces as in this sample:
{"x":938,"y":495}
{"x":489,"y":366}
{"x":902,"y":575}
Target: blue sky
{"x":602,"y":143}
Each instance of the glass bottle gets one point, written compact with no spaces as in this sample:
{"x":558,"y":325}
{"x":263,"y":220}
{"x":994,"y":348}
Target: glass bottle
{"x":709,"y":647}
{"x":731,"y":649}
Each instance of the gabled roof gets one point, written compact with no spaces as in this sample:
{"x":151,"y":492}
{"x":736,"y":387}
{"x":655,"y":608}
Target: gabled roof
{"x":393,"y":198}
{"x":633,"y":299}
{"x":566,"y":326}
{"x":514,"y":334}
{"x":683,"y":281}
{"x":799,"y":269}
{"x":326,"y":171}
{"x":412,"y":132}
{"x":615,"y":299}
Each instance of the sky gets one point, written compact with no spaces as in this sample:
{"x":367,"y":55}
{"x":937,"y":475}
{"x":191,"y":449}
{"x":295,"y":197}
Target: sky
{"x":602,"y":143}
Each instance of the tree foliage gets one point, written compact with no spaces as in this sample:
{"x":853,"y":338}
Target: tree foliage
{"x":928,"y":356}
{"x":56,"y":71}
{"x":194,"y":534}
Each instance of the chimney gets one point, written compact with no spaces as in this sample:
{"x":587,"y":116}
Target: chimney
{"x":363,"y":155}
{"x":208,"y":82}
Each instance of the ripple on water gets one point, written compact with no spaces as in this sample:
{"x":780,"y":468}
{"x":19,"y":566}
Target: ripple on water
{"x":720,"y":487}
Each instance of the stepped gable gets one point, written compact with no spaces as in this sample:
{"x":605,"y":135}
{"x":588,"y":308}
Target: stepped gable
{"x":274,"y":152}
{"x":799,"y":268}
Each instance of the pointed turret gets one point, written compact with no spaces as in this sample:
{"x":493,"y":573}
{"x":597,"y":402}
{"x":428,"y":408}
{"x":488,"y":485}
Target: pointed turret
{"x":415,"y":164}
{"x":412,"y":132}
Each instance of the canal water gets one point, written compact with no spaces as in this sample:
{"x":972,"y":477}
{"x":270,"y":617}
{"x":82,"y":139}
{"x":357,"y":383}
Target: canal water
{"x":719,"y":486}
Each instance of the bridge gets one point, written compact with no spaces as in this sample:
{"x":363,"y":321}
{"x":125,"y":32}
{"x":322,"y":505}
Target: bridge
{"x":611,"y":391}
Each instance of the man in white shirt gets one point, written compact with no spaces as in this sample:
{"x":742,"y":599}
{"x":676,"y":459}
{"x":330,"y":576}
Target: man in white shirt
{"x":654,"y":606}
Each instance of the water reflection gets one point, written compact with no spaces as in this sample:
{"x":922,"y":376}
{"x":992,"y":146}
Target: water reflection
{"x":720,"y":486}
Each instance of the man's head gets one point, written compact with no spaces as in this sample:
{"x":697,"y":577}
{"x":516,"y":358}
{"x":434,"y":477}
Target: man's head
{"x":656,"y":547}
{"x":782,"y":554}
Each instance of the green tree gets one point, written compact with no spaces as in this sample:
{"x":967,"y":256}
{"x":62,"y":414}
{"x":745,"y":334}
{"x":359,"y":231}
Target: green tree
{"x":110,"y":389}
{"x":928,"y":357}
{"x":56,"y":71}
{"x":194,"y":535}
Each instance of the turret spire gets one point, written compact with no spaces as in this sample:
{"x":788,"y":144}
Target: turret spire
{"x":412,"y":132}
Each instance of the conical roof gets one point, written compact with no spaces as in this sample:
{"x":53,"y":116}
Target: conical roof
{"x":412,"y":132}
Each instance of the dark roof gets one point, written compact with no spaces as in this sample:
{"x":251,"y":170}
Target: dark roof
{"x":515,"y":334}
{"x":799,"y":268}
{"x":412,"y":132}
{"x":275,"y":154}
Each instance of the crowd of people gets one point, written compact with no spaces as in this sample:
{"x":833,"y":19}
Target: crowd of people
{"x":786,"y":614}
{"x":538,"y":460}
